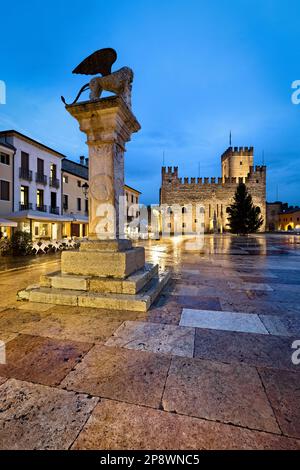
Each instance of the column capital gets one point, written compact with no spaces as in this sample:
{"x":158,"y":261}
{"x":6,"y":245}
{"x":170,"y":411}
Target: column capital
{"x":107,"y":120}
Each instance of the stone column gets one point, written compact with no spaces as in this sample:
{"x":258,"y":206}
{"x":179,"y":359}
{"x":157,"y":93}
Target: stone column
{"x":108,"y":124}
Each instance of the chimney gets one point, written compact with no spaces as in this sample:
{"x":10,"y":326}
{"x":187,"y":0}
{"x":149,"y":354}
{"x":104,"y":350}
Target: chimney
{"x":81,"y":158}
{"x":87,"y":162}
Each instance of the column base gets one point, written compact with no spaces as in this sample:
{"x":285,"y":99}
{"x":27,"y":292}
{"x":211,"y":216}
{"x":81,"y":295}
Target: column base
{"x":108,"y":274}
{"x":137,"y":293}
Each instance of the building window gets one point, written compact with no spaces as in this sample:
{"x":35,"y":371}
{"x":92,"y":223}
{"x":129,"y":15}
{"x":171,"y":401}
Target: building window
{"x":24,"y":193}
{"x":241,"y":163}
{"x":79,"y":183}
{"x":65,"y":179}
{"x":40,"y":199}
{"x":53,"y":196}
{"x":132,"y":198}
{"x":53,"y":171}
{"x":78,"y":204}
{"x":86,"y":205}
{"x":184,"y":210}
{"x":66,"y":202}
{"x":25,"y":161}
{"x":183,"y":225}
{"x":40,"y":167}
{"x":24,"y":198}
{"x":4,"y":158}
{"x":4,"y":190}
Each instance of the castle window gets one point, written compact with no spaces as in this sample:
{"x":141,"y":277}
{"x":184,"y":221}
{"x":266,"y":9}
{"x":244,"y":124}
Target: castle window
{"x":241,"y":163}
{"x":184,"y":210}
{"x":183,"y":225}
{"x":196,"y":220}
{"x":170,"y":181}
{"x":257,"y":181}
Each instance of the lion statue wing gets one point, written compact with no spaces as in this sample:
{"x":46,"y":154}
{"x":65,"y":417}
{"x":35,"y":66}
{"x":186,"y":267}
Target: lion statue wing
{"x":100,"y":61}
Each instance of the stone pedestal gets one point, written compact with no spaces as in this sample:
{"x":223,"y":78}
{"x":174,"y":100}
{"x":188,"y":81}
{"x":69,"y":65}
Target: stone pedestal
{"x":108,"y":124}
{"x":107,"y":272}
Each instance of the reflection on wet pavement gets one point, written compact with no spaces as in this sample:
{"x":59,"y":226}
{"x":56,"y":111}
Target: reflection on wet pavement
{"x":209,"y":366}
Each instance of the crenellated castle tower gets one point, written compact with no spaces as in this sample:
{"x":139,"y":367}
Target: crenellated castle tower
{"x":216,"y":194}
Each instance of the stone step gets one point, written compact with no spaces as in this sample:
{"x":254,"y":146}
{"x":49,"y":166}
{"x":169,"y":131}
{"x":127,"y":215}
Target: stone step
{"x":140,"y":302}
{"x":131,"y":285}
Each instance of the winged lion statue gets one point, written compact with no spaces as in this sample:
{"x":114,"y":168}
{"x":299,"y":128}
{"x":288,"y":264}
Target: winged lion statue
{"x":100,"y":62}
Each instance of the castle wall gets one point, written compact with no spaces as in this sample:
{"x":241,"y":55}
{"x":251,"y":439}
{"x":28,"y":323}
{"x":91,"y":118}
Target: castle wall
{"x":215,"y":194}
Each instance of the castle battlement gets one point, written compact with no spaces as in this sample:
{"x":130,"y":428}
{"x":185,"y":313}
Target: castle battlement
{"x":238,"y":152}
{"x":170,"y":176}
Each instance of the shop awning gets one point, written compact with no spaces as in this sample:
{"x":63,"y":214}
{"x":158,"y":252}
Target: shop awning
{"x":40,"y":216}
{"x":7,"y":223}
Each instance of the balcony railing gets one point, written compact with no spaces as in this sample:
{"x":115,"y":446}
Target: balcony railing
{"x":54,"y":210}
{"x":54,"y":182}
{"x":41,"y":208}
{"x":40,"y":178}
{"x":25,"y":174}
{"x":25,"y":206}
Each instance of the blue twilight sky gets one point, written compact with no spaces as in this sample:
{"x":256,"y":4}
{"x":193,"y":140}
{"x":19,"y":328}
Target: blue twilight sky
{"x":201,"y":68}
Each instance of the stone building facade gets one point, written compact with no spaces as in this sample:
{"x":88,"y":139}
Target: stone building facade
{"x":289,"y":219}
{"x":215,"y":194}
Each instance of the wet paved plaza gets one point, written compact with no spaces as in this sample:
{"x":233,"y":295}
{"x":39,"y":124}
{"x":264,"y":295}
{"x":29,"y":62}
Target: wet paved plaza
{"x":208,"y":367}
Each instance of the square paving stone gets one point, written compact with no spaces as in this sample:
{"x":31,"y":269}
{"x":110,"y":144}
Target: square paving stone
{"x":41,"y":360}
{"x":253,"y":349}
{"x":38,"y":417}
{"x":201,"y":303}
{"x":283,"y":390}
{"x":288,"y":325}
{"x":121,"y":426}
{"x":13,"y":320}
{"x":227,"y":393}
{"x":121,"y":374}
{"x":6,"y":337}
{"x":229,"y":321}
{"x":260,"y":307}
{"x":87,"y":328}
{"x":250,"y":286}
{"x":154,"y":337}
{"x":167,"y":311}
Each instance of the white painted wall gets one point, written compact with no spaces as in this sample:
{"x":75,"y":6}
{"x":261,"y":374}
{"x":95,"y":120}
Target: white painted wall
{"x":34,"y":153}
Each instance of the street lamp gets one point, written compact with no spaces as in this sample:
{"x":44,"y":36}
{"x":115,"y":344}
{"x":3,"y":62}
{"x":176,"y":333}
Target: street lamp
{"x":85,"y":189}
